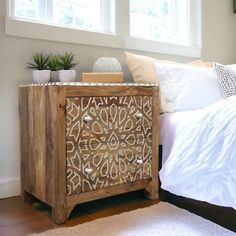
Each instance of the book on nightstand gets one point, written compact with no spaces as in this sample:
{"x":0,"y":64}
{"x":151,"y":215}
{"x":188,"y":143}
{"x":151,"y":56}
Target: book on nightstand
{"x":104,"y":77}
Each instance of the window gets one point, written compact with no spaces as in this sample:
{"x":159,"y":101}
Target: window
{"x":157,"y":26}
{"x":93,"y":15}
{"x":160,"y":20}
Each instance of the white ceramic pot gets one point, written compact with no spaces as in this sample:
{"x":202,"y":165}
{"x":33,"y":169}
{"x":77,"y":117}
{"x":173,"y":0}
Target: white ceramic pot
{"x":67,"y":75}
{"x":41,"y":76}
{"x":54,"y":76}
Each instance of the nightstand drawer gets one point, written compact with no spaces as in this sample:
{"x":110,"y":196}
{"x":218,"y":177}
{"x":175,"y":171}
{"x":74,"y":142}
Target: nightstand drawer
{"x":91,"y":167}
{"x":108,"y":119}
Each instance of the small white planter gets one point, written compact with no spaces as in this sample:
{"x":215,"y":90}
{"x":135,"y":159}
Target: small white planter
{"x":67,"y":75}
{"x":54,"y":76}
{"x":41,"y":76}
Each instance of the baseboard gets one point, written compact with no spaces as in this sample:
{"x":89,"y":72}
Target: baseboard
{"x":9,"y":187}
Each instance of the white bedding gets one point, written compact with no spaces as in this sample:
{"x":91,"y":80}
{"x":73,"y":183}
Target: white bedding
{"x":202,"y":161}
{"x":170,"y":124}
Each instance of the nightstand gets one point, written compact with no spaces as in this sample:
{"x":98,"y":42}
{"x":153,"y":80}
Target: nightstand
{"x":85,"y":141}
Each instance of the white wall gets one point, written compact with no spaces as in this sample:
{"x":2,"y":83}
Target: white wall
{"x":219,"y":44}
{"x":219,"y":31}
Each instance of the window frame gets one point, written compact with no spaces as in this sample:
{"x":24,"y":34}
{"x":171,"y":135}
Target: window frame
{"x":120,"y":39}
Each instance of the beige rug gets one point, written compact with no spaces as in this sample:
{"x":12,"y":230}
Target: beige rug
{"x":162,"y":219}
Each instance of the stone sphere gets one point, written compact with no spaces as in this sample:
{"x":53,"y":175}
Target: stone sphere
{"x":107,"y":64}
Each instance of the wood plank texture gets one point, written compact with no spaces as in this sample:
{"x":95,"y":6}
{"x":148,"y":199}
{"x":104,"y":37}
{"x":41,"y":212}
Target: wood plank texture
{"x":24,"y":138}
{"x":37,"y":142}
{"x":152,"y":190}
{"x":57,"y":102}
{"x":88,"y":91}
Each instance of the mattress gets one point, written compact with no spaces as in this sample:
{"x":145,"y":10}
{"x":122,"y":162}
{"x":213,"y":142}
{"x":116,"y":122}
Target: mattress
{"x":170,"y":124}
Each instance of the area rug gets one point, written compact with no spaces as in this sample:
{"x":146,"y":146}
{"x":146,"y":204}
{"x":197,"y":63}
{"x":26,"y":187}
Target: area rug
{"x":162,"y":219}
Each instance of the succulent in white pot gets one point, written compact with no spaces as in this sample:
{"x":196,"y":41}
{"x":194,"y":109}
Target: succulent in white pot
{"x":54,"y":66}
{"x":41,"y":74}
{"x":66,"y":73}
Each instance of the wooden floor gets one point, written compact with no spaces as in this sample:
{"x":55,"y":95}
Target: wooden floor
{"x":18,"y":218}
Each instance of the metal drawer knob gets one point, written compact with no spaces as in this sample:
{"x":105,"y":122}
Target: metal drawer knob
{"x":88,"y":170}
{"x":87,"y":118}
{"x":139,"y":115}
{"x":140,"y":161}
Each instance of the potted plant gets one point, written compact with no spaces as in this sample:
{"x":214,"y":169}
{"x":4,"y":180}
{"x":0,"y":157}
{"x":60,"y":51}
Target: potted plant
{"x":41,"y":74}
{"x":66,"y":73}
{"x":54,"y":66}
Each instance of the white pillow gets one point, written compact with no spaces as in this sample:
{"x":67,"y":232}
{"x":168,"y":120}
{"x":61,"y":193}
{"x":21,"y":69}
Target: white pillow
{"x":232,"y":67}
{"x":226,"y":78}
{"x":185,"y":87}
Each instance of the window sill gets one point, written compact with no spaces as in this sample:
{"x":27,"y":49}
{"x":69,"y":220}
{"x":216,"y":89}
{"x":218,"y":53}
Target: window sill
{"x":28,"y":29}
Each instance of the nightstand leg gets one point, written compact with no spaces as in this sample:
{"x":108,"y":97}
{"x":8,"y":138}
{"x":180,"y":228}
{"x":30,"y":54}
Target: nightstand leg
{"x":60,"y":215}
{"x":151,"y":191}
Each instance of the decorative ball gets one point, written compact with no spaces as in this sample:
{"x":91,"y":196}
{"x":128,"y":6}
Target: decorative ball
{"x":107,"y":64}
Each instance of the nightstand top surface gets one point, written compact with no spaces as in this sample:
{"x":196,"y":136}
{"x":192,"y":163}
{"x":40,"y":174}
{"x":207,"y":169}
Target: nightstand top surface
{"x":89,"y":84}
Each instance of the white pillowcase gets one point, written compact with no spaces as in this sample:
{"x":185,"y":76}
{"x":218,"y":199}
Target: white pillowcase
{"x":232,"y":67}
{"x":226,"y":78}
{"x":184,"y":87}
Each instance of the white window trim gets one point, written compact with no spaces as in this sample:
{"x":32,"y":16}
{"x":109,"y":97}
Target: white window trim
{"x":120,"y":40}
{"x":107,"y":14}
{"x":196,"y":25}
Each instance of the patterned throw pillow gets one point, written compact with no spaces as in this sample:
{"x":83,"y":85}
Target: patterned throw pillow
{"x":226,"y":78}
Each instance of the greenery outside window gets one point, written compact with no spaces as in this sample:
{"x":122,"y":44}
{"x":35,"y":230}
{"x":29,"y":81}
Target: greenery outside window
{"x":161,"y":20}
{"x":157,"y":26}
{"x":91,"y":15}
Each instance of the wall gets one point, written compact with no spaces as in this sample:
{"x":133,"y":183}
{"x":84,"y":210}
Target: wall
{"x":219,"y":44}
{"x":219,"y":31}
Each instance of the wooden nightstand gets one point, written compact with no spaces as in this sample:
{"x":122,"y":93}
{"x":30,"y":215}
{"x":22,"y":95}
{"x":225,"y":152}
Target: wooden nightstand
{"x":85,"y":141}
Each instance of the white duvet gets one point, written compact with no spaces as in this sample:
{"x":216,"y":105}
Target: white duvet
{"x":202,"y":162}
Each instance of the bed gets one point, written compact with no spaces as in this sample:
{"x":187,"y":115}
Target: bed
{"x":199,"y":153}
{"x":197,"y":133}
{"x":199,"y":159}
